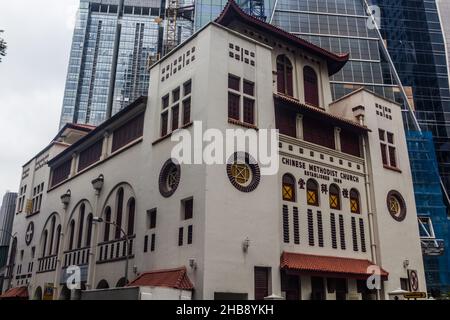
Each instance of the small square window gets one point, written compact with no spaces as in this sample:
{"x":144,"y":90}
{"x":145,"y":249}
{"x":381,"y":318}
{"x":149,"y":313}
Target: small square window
{"x":252,"y":54}
{"x":246,"y":52}
{"x":193,"y":58}
{"x":238,"y":48}
{"x":237,"y":57}
{"x":252,"y":63}
{"x":188,"y":208}
{"x":231,"y":46}
{"x":249,"y":88}
{"x":231,"y":54}
{"x":234,"y":82}
{"x":151,"y":215}
{"x":193,"y":49}
{"x":246,"y":60}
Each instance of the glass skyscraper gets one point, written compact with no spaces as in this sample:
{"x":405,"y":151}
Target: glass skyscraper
{"x":89,"y":72}
{"x":413,"y":34}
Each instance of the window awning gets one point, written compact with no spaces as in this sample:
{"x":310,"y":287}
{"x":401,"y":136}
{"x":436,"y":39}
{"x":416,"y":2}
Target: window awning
{"x":329,"y":266}
{"x":169,"y":278}
{"x":16,"y":293}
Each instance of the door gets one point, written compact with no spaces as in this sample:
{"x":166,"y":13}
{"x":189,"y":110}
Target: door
{"x":318,"y":289}
{"x":261,"y":283}
{"x":290,"y":284}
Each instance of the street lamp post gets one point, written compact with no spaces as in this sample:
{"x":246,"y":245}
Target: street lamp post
{"x":125,"y":236}
{"x":9,"y":271}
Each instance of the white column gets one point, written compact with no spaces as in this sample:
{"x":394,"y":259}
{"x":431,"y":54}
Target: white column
{"x":300,"y":126}
{"x":337,"y":138}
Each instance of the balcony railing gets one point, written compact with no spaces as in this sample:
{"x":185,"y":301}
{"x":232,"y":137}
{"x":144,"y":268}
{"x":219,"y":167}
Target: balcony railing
{"x":78,"y":257}
{"x":432,"y":247}
{"x":115,"y":250}
{"x":47,"y":264}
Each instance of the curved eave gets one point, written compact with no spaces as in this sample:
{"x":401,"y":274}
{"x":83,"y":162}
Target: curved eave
{"x":232,"y":12}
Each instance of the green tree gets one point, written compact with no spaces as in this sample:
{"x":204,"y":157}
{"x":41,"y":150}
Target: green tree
{"x":2,"y":47}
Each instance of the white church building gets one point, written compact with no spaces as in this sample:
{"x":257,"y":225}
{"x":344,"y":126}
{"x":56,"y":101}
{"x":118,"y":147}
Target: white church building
{"x":340,"y":208}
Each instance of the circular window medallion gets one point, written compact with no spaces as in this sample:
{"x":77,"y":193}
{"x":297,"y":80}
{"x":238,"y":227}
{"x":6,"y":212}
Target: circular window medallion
{"x":396,"y":205}
{"x":243,"y":172}
{"x":169,"y":178}
{"x":29,"y":234}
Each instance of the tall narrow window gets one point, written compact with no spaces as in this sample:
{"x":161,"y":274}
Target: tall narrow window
{"x":89,"y":230}
{"x":152,"y":218}
{"x":335,"y":197}
{"x":58,"y":239}
{"x":312,"y":192}
{"x":249,"y":111}
{"x":81,"y":225}
{"x":187,"y":111}
{"x":233,"y":106}
{"x":284,"y":75}
{"x":296,"y":226}
{"x":44,"y":244}
{"x":119,"y":212}
{"x":131,"y":214}
{"x":71,"y":234}
{"x":145,"y":243}
{"x":164,"y":123}
{"x":52,"y":235}
{"x":180,"y":237}
{"x":354,"y":201}
{"x":175,"y":117}
{"x":311,"y":86}
{"x":188,"y":208}
{"x":392,"y":157}
{"x":190,"y":234}
{"x":107,"y":224}
{"x":288,"y":188}
{"x":153,"y":243}
{"x":285,"y":224}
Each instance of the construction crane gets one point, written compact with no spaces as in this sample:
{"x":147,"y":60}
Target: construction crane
{"x":174,"y":13}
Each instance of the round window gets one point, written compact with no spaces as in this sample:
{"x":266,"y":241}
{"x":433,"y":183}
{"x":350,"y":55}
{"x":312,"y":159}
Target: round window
{"x":243,"y":172}
{"x":169,"y":178}
{"x":396,"y":205}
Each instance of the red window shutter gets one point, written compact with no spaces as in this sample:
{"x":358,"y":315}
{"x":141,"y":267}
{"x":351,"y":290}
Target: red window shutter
{"x":280,"y":78}
{"x":286,"y":121}
{"x":233,"y":106}
{"x":175,"y":117}
{"x":289,"y":82}
{"x":317,"y":132}
{"x":311,"y":87}
{"x":128,"y":132}
{"x":261,"y":283}
{"x":383,"y":154}
{"x":249,"y":111}
{"x":350,"y":143}
{"x":186,"y":111}
{"x":90,"y":155}
{"x":61,"y":172}
{"x":392,"y":158}
{"x":164,"y":120}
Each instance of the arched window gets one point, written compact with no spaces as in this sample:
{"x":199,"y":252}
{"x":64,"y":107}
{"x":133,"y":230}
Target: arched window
{"x":80,"y":227}
{"x":288,"y":189}
{"x":107,"y":225}
{"x":44,"y":243}
{"x":312,"y":192}
{"x":335,"y":197}
{"x":52,"y":235}
{"x":284,"y":75}
{"x":58,"y":238}
{"x":131,"y":212}
{"x":311,"y":86}
{"x":71,"y":234}
{"x":119,"y":211}
{"x":89,"y":230}
{"x":355,"y":206}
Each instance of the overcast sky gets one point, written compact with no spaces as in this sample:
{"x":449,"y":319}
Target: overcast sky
{"x":32,"y":78}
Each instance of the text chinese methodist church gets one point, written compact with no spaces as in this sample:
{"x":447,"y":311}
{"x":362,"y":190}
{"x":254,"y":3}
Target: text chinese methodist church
{"x":109,"y":197}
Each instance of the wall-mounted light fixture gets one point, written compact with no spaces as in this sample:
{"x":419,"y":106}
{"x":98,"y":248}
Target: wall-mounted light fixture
{"x":245,"y":244}
{"x":97,"y":183}
{"x":65,"y":198}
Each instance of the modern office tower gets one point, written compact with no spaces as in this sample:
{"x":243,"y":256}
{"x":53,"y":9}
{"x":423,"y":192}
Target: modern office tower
{"x":414,"y":35}
{"x":444,"y":13}
{"x":7,"y":211}
{"x":89,"y":74}
{"x":414,"y":38}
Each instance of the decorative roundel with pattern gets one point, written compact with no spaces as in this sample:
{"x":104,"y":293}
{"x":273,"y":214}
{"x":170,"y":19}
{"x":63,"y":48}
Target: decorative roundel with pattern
{"x":243,"y":172}
{"x":396,"y":205}
{"x":169,"y":178}
{"x":414,"y":280}
{"x":29,"y":234}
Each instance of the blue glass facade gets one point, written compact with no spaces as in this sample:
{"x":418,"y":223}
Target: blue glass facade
{"x":430,"y":207}
{"x":414,"y":38}
{"x":89,"y":72}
